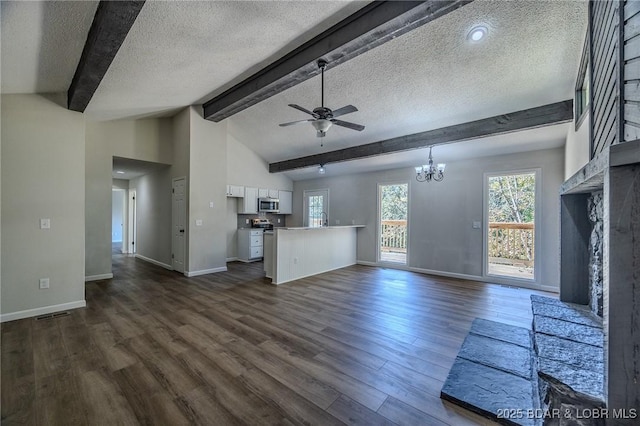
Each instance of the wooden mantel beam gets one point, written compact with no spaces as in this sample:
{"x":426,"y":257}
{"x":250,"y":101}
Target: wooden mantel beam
{"x":375,"y":24}
{"x":111,"y":24}
{"x":546,"y":115}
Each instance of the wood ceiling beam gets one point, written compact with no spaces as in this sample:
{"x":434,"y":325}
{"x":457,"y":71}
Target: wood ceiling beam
{"x":375,"y":24}
{"x":111,"y":24}
{"x":546,"y":115}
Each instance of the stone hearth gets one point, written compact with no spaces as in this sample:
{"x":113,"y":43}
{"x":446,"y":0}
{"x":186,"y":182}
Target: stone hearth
{"x":548,"y":376}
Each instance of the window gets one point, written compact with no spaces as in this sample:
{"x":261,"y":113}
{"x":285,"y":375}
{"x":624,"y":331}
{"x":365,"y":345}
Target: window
{"x":316,"y":208}
{"x":583,"y":86}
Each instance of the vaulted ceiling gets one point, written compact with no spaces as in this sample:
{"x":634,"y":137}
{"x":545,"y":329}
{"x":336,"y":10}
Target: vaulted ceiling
{"x":179,"y":53}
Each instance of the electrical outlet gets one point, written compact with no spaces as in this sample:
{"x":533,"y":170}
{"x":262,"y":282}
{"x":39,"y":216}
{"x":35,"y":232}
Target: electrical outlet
{"x":246,"y":221}
{"x":44,"y":283}
{"x":476,"y":224}
{"x":337,"y":221}
{"x":198,"y":222}
{"x":211,"y":205}
{"x":278,"y":220}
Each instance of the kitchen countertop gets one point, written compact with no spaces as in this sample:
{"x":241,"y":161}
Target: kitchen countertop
{"x":296,"y":228}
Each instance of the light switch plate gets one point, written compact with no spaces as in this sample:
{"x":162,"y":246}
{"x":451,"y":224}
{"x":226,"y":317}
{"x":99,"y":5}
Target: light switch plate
{"x":45,"y":223}
{"x":476,"y":224}
{"x":198,"y":222}
{"x":211,"y":205}
{"x":44,"y":283}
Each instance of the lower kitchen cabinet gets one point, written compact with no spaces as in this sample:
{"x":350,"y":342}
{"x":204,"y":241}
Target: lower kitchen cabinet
{"x":250,"y":244}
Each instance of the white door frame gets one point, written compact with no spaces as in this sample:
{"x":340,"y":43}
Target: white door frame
{"x":379,"y":221}
{"x":176,"y":263}
{"x":537,"y":262}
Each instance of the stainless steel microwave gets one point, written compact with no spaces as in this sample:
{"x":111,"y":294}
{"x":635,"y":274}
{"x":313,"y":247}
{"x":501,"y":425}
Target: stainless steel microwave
{"x":268,"y":205}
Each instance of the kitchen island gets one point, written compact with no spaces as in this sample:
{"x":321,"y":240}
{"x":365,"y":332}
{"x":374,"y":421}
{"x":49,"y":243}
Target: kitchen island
{"x":293,"y":253}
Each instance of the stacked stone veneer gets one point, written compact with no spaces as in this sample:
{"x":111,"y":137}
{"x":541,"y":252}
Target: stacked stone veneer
{"x":595,"y":206}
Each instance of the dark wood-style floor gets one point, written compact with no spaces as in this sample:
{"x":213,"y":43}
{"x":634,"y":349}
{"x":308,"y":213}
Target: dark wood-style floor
{"x":360,"y":345}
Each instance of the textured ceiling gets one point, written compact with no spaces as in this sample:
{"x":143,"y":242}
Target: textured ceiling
{"x":432,"y":77}
{"x":42,"y":43}
{"x":184,"y":52}
{"x":179,"y":52}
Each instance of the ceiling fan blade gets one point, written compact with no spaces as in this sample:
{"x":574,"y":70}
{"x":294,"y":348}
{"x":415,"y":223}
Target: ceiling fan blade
{"x":348,"y":125}
{"x":344,"y":110}
{"x":299,"y":108}
{"x":295,"y":122}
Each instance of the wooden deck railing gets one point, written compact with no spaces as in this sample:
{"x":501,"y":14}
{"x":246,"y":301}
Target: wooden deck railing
{"x":394,"y":236}
{"x":511,"y":242}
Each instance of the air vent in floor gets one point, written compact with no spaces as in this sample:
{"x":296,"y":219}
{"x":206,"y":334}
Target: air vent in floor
{"x":52,"y":316}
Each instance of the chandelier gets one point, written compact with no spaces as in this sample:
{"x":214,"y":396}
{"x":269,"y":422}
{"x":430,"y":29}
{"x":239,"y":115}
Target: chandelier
{"x":427,"y":172}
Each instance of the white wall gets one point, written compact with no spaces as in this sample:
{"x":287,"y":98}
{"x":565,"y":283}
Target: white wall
{"x":441,"y":214}
{"x":117,"y":216}
{"x":247,"y":168}
{"x":207,"y":194}
{"x":146,"y":140}
{"x":576,"y":148}
{"x":153,"y":215}
{"x":43,"y":166}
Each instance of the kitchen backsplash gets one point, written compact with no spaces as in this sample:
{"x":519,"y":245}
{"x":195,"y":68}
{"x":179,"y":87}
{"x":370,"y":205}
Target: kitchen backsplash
{"x":242,"y":219}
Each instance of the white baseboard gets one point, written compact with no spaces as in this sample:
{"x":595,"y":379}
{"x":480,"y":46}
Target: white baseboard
{"x":98,"y":277}
{"x":155,"y":262}
{"x":488,"y":280}
{"x":204,"y":272}
{"x":448,"y":274}
{"x":28,"y":313}
{"x":231,"y":259}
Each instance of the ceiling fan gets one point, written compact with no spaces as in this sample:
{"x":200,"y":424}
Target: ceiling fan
{"x":324,"y":117}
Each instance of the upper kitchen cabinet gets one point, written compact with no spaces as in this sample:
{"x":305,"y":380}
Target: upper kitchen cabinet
{"x":235,"y":191}
{"x":249,"y":204}
{"x":286,"y":202}
{"x":268,"y":193}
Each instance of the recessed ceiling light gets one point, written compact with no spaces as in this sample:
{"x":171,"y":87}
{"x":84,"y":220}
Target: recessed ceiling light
{"x":477,"y":33}
{"x":120,"y":172}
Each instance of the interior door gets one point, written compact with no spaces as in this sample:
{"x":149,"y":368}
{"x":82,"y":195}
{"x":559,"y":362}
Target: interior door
{"x":131,"y":232}
{"x":316,"y":208}
{"x":179,"y":230}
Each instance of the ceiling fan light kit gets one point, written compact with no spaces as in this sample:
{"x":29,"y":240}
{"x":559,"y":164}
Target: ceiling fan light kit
{"x":323,"y":117}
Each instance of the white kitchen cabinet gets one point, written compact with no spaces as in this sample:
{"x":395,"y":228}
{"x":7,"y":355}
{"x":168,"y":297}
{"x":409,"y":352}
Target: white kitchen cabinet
{"x":286,"y":202}
{"x":273,"y":193}
{"x":263,"y":193}
{"x":235,"y":191}
{"x":248,"y":204}
{"x":250,"y":244}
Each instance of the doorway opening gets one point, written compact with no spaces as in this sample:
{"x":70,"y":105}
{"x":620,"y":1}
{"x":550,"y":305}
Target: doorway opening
{"x":510,"y":240}
{"x":316,"y":208}
{"x":393,"y":207}
{"x":118,"y":220}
